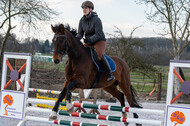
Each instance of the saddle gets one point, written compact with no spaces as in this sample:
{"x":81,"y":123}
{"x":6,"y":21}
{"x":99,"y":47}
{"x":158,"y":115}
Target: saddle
{"x":100,"y":68}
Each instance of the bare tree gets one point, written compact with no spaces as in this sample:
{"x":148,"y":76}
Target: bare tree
{"x":27,"y":12}
{"x":174,"y":16}
{"x":125,"y":47}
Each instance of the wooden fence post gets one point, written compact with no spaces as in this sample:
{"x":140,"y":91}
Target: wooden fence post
{"x":159,"y":86}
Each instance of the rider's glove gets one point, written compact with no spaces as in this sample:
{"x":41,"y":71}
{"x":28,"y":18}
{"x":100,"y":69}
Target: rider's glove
{"x":88,"y":41}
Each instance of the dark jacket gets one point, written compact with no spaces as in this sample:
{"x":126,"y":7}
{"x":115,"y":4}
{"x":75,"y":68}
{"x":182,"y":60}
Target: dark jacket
{"x":91,"y":27}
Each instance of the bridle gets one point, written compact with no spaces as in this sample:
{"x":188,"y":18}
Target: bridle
{"x":66,"y":50}
{"x":66,"y":46}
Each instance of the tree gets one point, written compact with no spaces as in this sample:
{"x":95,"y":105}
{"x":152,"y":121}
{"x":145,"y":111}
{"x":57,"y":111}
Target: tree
{"x":174,"y":16}
{"x":46,"y":47}
{"x":125,"y":47}
{"x":25,"y":11}
{"x":35,"y":45}
{"x":51,"y":46}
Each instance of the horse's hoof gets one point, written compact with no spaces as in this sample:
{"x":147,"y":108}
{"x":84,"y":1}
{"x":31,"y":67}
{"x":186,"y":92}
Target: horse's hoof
{"x":70,"y":110}
{"x":53,"y":116}
{"x":70,"y":107}
{"x":138,"y":124}
{"x":126,"y":124}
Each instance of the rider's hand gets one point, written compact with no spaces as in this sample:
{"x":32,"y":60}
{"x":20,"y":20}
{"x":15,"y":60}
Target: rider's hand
{"x":88,"y":41}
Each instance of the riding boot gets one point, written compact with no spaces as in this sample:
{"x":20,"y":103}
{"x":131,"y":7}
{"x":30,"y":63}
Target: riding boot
{"x":106,"y":66}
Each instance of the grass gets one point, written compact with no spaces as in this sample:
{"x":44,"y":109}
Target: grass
{"x":146,"y":88}
{"x":143,"y":88}
{"x":48,"y":66}
{"x":145,"y":84}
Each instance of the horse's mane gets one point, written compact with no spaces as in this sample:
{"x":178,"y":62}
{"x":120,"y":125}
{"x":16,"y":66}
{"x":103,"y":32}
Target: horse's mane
{"x":66,"y":26}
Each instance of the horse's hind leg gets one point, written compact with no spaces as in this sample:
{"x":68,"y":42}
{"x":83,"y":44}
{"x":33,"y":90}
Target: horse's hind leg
{"x":117,"y":94}
{"x":127,"y":89}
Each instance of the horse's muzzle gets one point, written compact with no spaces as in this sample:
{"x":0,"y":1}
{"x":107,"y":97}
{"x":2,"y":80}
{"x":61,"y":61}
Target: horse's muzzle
{"x":56,"y":61}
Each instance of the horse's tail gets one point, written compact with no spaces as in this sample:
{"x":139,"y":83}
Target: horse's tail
{"x":133,"y":92}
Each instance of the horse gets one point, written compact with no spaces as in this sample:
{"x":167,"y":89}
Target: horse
{"x":81,"y":72}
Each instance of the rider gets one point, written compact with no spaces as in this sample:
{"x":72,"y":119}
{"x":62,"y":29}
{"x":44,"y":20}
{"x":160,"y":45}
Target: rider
{"x":90,"y":25}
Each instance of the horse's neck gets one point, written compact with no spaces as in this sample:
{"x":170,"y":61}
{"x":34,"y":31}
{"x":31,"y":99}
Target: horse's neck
{"x":78,"y":52}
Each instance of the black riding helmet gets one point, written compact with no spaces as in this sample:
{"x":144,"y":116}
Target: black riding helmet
{"x":88,"y":4}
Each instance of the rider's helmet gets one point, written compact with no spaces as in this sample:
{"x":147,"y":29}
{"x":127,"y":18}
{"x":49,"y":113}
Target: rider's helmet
{"x":88,"y":4}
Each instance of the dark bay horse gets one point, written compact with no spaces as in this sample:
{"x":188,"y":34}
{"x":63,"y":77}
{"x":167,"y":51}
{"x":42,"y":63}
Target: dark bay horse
{"x":81,"y":72}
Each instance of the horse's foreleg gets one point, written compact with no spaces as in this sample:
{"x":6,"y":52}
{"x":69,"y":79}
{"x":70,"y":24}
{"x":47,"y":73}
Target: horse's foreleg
{"x":69,"y":105}
{"x":53,"y":115}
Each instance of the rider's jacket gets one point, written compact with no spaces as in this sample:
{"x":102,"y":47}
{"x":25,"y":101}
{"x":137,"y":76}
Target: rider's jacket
{"x":91,"y":28}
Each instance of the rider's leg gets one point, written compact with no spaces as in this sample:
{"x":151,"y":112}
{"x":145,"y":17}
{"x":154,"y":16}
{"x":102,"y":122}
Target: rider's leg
{"x":100,"y":49}
{"x":106,"y":65}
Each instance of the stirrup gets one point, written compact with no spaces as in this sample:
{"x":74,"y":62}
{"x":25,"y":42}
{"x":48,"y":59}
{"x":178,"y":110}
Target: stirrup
{"x":110,"y":77}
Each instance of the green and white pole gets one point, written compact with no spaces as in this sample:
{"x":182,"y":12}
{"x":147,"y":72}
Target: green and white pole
{"x":116,"y":108}
{"x":60,"y":122}
{"x":94,"y":116}
{"x":112,"y":118}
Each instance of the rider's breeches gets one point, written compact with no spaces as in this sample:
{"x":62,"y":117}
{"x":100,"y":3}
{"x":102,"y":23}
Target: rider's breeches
{"x":100,"y":47}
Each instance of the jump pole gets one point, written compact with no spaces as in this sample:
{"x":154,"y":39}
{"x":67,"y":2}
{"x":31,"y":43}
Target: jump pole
{"x":49,"y":91}
{"x":98,"y":117}
{"x":100,"y":107}
{"x":59,"y":122}
{"x":116,"y":108}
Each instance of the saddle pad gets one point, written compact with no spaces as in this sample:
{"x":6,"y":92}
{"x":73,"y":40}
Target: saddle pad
{"x":111,"y":64}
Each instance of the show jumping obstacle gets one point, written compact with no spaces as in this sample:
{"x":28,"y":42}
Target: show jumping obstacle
{"x":20,"y":112}
{"x":20,"y":98}
{"x":97,"y":117}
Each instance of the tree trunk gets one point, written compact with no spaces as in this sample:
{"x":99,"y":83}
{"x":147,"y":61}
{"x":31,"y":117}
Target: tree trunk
{"x":3,"y":45}
{"x":176,"y":80}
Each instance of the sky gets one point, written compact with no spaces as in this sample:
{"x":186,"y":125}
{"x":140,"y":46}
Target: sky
{"x":124,"y":14}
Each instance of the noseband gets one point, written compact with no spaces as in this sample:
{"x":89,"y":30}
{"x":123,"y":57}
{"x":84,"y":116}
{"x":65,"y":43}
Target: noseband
{"x":66,"y":46}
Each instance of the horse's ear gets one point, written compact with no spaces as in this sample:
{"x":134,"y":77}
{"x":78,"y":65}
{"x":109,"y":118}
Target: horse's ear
{"x":53,"y":29}
{"x":62,"y":28}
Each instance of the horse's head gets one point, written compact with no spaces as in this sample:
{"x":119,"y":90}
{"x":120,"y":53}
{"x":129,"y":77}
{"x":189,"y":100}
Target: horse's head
{"x":60,"y":43}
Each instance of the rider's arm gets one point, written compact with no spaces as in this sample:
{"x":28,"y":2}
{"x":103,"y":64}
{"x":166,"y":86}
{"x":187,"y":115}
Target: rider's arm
{"x":99,"y":34}
{"x":80,"y":31}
